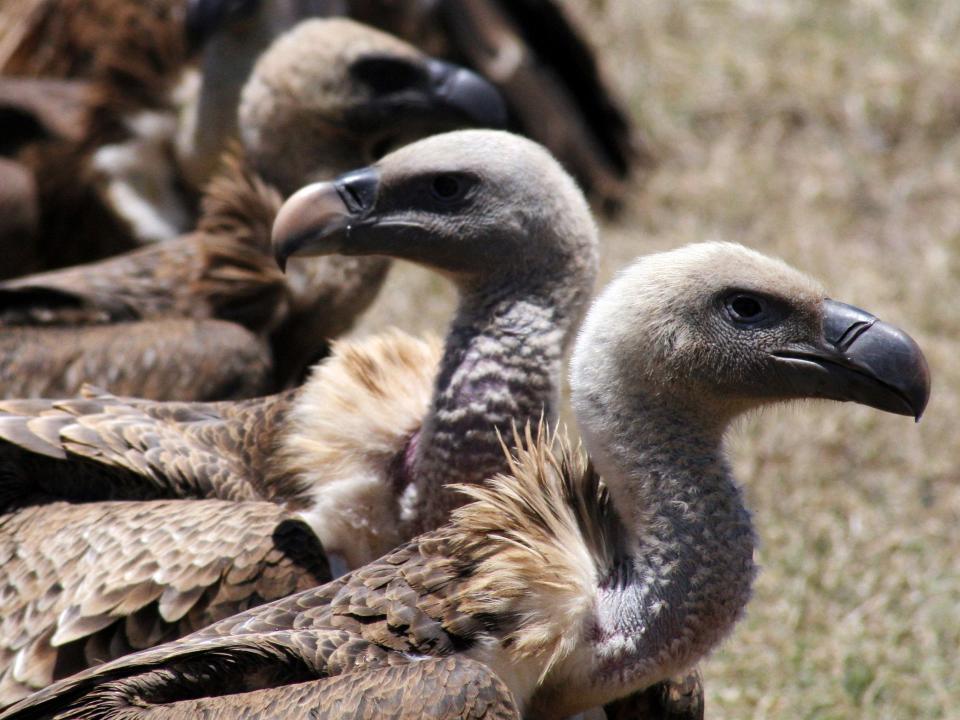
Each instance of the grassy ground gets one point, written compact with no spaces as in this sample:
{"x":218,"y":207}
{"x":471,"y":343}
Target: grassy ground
{"x":828,"y":133}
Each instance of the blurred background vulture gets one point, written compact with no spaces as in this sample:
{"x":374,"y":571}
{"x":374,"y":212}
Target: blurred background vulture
{"x":208,"y":315}
{"x":157,"y":84}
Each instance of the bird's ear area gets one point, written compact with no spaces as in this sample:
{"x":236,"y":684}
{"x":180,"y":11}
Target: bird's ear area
{"x":857,"y":357}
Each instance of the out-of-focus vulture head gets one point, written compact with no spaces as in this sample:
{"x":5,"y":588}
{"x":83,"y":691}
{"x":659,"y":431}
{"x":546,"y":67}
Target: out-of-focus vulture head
{"x":332,"y":94}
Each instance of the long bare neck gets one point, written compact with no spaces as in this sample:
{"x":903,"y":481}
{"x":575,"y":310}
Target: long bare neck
{"x":685,"y":569}
{"x":502,"y":364}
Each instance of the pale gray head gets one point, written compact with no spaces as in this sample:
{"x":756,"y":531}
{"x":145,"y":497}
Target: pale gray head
{"x":332,"y":94}
{"x":482,"y":206}
{"x":718,"y":329}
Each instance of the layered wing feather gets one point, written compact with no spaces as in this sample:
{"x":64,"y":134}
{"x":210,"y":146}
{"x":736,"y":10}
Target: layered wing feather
{"x":187,"y":359}
{"x":83,"y":584}
{"x":102,"y":447}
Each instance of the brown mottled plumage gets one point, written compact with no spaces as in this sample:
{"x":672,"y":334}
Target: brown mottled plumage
{"x":573,"y":590}
{"x":357,"y":453}
{"x":293,"y":132}
{"x":131,"y":56}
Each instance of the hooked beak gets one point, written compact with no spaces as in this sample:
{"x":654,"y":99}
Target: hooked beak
{"x":470,"y":97}
{"x":316,"y":220}
{"x":861,"y":359}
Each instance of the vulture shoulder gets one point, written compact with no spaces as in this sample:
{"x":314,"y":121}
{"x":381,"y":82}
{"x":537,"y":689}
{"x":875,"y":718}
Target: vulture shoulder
{"x":90,"y":582}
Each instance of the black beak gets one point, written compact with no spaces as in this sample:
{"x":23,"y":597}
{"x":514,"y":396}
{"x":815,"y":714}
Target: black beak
{"x":470,"y":97}
{"x":317,"y":219}
{"x":205,"y":17}
{"x":861,"y":359}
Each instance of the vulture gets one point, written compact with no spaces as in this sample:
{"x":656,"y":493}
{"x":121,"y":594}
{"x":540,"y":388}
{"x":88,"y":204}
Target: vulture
{"x":118,"y":531}
{"x":208,"y":316}
{"x":152,"y":163}
{"x":148,"y":133}
{"x":564,"y":584}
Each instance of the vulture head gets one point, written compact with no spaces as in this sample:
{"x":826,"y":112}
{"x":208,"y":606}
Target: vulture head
{"x":482,"y":206}
{"x":332,"y":94}
{"x":718,"y":329}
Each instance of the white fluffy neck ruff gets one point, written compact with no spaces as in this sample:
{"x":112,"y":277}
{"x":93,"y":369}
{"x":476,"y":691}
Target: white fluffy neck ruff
{"x":348,"y":432}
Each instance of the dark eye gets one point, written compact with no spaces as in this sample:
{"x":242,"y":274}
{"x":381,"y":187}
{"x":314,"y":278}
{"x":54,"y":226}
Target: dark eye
{"x":448,"y":187}
{"x":747,"y":309}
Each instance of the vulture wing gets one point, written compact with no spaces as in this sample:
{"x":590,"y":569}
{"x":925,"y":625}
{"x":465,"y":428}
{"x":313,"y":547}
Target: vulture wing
{"x":380,"y":616}
{"x":37,"y":108}
{"x":87,"y":583}
{"x":103,"y":447}
{"x":185,"y":359}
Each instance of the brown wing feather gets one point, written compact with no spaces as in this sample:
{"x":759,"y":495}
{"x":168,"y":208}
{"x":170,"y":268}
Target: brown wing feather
{"x":441,"y":688}
{"x":184,"y":359}
{"x":37,"y":108}
{"x":104,"y":447}
{"x":378,"y":615}
{"x":84,"y":583}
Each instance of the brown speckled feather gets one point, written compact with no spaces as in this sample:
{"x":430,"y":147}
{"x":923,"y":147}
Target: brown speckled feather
{"x":431,"y":598}
{"x":132,"y":55}
{"x":125,"y":448}
{"x":110,"y":578}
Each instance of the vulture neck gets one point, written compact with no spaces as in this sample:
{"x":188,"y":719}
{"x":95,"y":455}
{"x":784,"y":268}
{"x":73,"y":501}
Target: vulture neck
{"x":502,"y":364}
{"x":684,"y":566}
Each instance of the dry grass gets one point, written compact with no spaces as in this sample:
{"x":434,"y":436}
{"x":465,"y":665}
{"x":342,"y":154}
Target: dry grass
{"x":828,"y":133}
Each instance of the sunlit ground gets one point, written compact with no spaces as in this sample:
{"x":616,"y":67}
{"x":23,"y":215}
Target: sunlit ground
{"x":827,"y":133}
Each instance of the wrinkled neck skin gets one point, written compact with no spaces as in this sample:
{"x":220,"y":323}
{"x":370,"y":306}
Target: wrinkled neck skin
{"x":684,"y":568}
{"x":502,"y":364}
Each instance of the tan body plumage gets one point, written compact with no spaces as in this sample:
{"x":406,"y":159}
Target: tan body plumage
{"x":572,"y":590}
{"x":151,"y":323}
{"x":359,"y":453}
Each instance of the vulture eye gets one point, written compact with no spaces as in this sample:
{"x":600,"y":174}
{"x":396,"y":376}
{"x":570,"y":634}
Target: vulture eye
{"x":745,"y":309}
{"x":449,"y":187}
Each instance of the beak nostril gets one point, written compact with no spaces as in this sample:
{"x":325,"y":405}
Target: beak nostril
{"x":851,"y":334}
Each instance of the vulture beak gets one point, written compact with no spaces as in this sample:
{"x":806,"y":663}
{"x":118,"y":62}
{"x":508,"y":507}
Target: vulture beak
{"x":861,"y":359}
{"x":205,"y":17}
{"x":470,"y":97}
{"x":318,"y":218}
